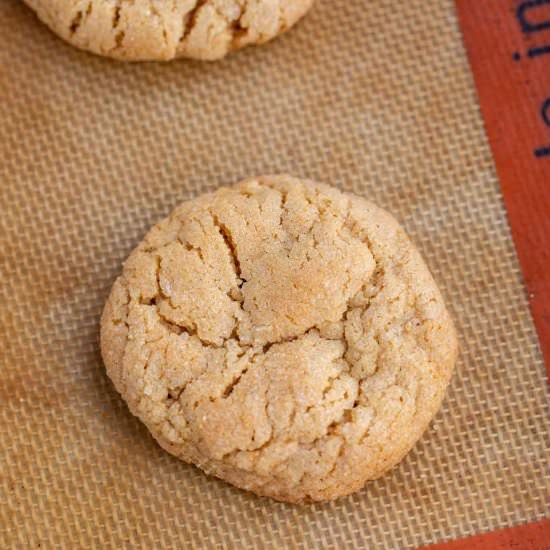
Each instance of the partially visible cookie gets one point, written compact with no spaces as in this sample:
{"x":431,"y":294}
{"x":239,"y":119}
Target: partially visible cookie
{"x":282,"y":335}
{"x":137,"y":30}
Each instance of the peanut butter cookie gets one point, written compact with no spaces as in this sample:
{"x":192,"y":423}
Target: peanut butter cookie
{"x":281,"y":335}
{"x":137,"y":30}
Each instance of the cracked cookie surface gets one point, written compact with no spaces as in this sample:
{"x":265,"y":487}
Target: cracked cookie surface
{"x":282,"y":335}
{"x":166,"y":29}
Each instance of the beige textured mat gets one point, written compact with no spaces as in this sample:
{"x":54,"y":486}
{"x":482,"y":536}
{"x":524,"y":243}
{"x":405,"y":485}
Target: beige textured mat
{"x":373,"y":96}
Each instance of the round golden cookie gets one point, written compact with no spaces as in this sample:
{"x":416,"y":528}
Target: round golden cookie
{"x":281,"y":335}
{"x":137,"y":30}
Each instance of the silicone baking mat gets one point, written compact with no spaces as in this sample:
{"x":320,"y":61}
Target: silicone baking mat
{"x":375,"y":97}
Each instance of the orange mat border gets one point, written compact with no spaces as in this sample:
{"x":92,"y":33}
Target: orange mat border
{"x":531,"y":536}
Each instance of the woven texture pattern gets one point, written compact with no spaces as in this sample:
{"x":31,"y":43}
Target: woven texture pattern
{"x":374,"y":97}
